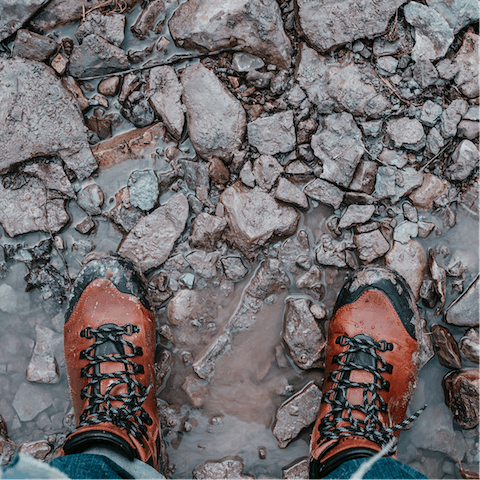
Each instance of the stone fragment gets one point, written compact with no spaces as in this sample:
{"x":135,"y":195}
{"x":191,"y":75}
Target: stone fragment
{"x":246,"y":175}
{"x":371,"y":245}
{"x":224,"y":468}
{"x":53,"y":177}
{"x":255,"y":25}
{"x":234,"y":268}
{"x":464,"y":312}
{"x":393,"y":158}
{"x":95,"y":56}
{"x":432,"y":188}
{"x":469,"y":345}
{"x":109,"y":86}
{"x":266,"y":170}
{"x":150,"y":242}
{"x":297,"y":471}
{"x":356,"y":214}
{"x":340,"y":86}
{"x":302,"y":335}
{"x":195,"y":390}
{"x":461,"y":396}
{"x":406,"y":132}
{"x":36,"y":449}
{"x":143,"y":189}
{"x":244,"y":62}
{"x":310,"y":278}
{"x":164,"y":94}
{"x":432,"y":34}
{"x":465,"y":159}
{"x":41,"y":118}
{"x":410,"y":261}
{"x":451,"y":117}
{"x":457,"y":13}
{"x":467,"y":63}
{"x":387,"y":65}
{"x":216,"y":128}
{"x":110,"y":27}
{"x":274,"y":134}
{"x":269,"y":279}
{"x":424,"y":73}
{"x":330,"y":252}
{"x":431,"y":112}
{"x":254,"y":217}
{"x":338,"y":144}
{"x":446,"y":347}
{"x":364,"y":177}
{"x":151,"y":20}
{"x":428,"y":293}
{"x":32,"y":46}
{"x":31,"y":209}
{"x":410,"y":212}
{"x":298,"y":168}
{"x":14,"y":16}
{"x":405,"y":231}
{"x":425,"y":228}
{"x":297,"y":413}
{"x":287,"y":192}
{"x":330,"y":24}
{"x":91,"y":199}
{"x":124,"y":214}
{"x":435,"y":141}
{"x":85,"y":226}
{"x":8,"y":299}
{"x":30,"y":400}
{"x":324,"y":192}
{"x":74,"y":88}
{"x":43,"y":366}
{"x":218,"y":171}
{"x":207,"y":230}
{"x":468,"y":129}
{"x":186,"y":305}
{"x":59,"y":63}
{"x":203,"y":263}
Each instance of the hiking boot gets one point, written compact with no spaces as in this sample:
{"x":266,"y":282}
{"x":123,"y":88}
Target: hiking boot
{"x":372,"y":361}
{"x":109,"y":353}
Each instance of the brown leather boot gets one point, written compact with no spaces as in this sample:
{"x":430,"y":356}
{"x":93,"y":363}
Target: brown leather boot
{"x":371,"y":369}
{"x":109,"y":353}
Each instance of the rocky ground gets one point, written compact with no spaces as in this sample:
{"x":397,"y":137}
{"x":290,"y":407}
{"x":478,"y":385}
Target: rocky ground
{"x":246,"y":155}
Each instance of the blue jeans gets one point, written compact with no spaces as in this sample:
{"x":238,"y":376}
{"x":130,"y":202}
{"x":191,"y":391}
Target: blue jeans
{"x":99,"y":466}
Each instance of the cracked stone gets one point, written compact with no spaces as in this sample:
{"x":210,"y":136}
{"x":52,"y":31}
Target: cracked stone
{"x":446,"y":347}
{"x":324,"y":192}
{"x":425,"y":73}
{"x":469,"y":345}
{"x":274,"y":134}
{"x":465,"y":159}
{"x":406,"y":132}
{"x":463,"y":312}
{"x":355,"y":215}
{"x":371,"y":245}
{"x":110,"y":27}
{"x":143,"y":189}
{"x":43,"y":366}
{"x":207,"y":230}
{"x":151,"y":20}
{"x":435,"y":141}
{"x":289,"y":193}
{"x":330,"y":252}
{"x":266,"y":170}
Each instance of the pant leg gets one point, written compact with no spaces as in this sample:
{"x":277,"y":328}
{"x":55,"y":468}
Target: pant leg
{"x":383,"y":468}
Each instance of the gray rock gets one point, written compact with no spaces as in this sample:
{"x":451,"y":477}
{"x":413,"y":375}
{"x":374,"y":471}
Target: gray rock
{"x":110,"y":27}
{"x":302,"y":335}
{"x":409,"y":260}
{"x":289,"y":193}
{"x":234,"y":268}
{"x":406,"y":132}
{"x":394,"y":158}
{"x":340,"y":86}
{"x":186,"y":305}
{"x":364,"y":177}
{"x":468,"y":129}
{"x":254,"y":217}
{"x":150,"y":242}
{"x":309,"y":279}
{"x":330,"y":252}
{"x":244,"y":62}
{"x":91,"y":199}
{"x":31,"y":209}
{"x":266,"y":170}
{"x":203,"y":263}
{"x":152,"y":19}
{"x":457,"y":13}
{"x":431,"y":188}
{"x":8,"y":299}
{"x":43,"y":366}
{"x":447,"y":69}
{"x":297,"y":471}
{"x":96,"y":56}
{"x":30,"y":400}
{"x":451,"y":117}
{"x":473,"y":114}
{"x":207,"y":230}
{"x":372,"y":128}
{"x":216,"y":119}
{"x":32,"y":46}
{"x":274,"y":134}
{"x":425,"y":73}
{"x":384,"y":45}
{"x":370,"y":246}
{"x":355,"y":215}
{"x":425,"y":228}
{"x":225,"y":468}
{"x":109,"y":86}
{"x":338,"y":144}
{"x":469,"y":345}
{"x":467,"y":64}
{"x":36,"y":449}
{"x":297,"y":167}
{"x":435,"y":141}
{"x":463,"y":312}
{"x":143,"y":189}
{"x":268,"y":280}
{"x":41,"y":118}
{"x":410,"y":212}
{"x":52,"y":176}
{"x":195,"y":175}
{"x":298,"y":412}
{"x":387,"y":65}
{"x":430,"y":113}
{"x":254,"y":24}
{"x":385,"y":182}
{"x":324,"y":192}
{"x":14,"y":16}
{"x":328,"y":25}
{"x":295,"y":249}
{"x":246,"y":174}
{"x":432,"y":34}
{"x":164,"y":94}
{"x":295,"y":97}
{"x":405,"y":231}
{"x":465,"y":159}
{"x":406,"y":180}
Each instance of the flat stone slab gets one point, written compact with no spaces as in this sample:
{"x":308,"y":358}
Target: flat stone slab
{"x":40,"y":118}
{"x":30,"y":400}
{"x":463,"y":312}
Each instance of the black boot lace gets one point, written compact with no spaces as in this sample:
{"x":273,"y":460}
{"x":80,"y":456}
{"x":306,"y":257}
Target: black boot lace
{"x":109,"y":346}
{"x":362,"y":354}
